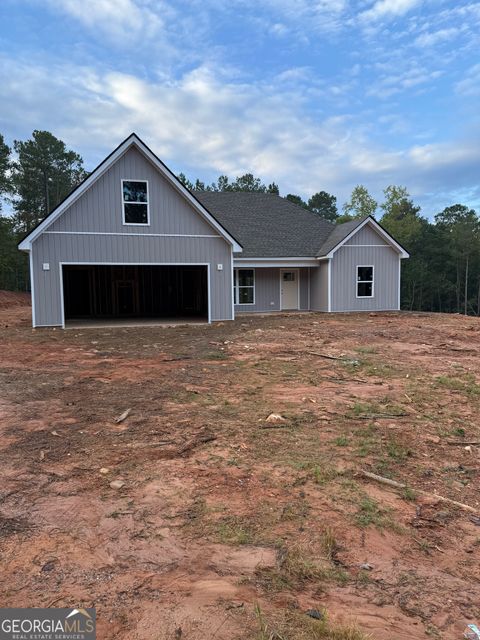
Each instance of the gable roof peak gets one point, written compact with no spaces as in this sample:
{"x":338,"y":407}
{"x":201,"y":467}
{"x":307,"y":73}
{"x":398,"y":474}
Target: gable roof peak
{"x":119,"y":151}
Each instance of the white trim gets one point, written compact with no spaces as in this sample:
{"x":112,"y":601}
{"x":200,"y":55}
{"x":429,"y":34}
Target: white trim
{"x":135,"y":235}
{"x":308,"y":298}
{"x":357,"y":281}
{"x":329,"y":285}
{"x":135,"y":264}
{"x":124,"y":202}
{"x":381,"y":232}
{"x":233,"y":284}
{"x":272,"y":262}
{"x":399,"y":281}
{"x":132,"y":140}
{"x":209,"y":301}
{"x":280,"y":258}
{"x":244,"y":304}
{"x":392,"y":309}
{"x":298,"y":289}
{"x":32,"y":288}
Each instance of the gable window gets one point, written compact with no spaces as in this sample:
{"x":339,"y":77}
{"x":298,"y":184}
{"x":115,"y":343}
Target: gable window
{"x":364,"y":282}
{"x":244,"y":286}
{"x":135,"y":202}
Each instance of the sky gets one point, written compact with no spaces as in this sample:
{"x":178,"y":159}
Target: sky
{"x":313,"y":94}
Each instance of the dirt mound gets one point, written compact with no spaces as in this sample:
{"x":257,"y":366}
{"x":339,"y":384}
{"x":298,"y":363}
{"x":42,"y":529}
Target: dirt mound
{"x":10,"y":299}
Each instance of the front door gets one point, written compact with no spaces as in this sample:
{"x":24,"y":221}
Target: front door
{"x":289,"y":289}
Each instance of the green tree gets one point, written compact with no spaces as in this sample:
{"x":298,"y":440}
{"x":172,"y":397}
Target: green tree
{"x":197,"y":186}
{"x":324,"y":204}
{"x":403,"y":221}
{"x":5,"y":163}
{"x":296,"y":200}
{"x":43,"y":175}
{"x":273,"y":189}
{"x":460,"y":230}
{"x":394,"y":196}
{"x":361,"y":203}
{"x":14,"y":272}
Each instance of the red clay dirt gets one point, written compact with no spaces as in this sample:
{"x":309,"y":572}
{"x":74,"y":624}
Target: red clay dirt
{"x":221,"y":512}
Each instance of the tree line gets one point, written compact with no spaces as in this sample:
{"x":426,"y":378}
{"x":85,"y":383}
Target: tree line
{"x":442,"y":274}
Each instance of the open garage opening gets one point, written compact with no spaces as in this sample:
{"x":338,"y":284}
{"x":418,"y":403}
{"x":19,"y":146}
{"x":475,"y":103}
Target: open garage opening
{"x":134,"y":293}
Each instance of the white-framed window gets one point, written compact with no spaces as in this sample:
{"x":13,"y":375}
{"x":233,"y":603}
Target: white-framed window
{"x":135,"y":202}
{"x":365,"y":284}
{"x":244,"y":286}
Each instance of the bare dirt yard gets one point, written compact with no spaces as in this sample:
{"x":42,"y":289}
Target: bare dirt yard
{"x":196,"y":518}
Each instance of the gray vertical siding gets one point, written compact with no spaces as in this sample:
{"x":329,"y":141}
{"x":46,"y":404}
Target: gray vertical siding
{"x":100,"y":207}
{"x":366,"y":236}
{"x":386,"y":265}
{"x":55,"y":249}
{"x":319,"y":287}
{"x":304,"y":287}
{"x":92,"y":231}
{"x":267,"y":291}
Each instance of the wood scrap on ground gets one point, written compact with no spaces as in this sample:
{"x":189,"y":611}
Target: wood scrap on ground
{"x":200,"y":438}
{"x":374,"y":416}
{"x":401,"y":485}
{"x":123,"y":416}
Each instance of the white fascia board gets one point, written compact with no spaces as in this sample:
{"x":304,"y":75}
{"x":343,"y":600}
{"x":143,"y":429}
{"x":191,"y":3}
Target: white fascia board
{"x":275,"y":262}
{"x":132,"y":140}
{"x":386,"y":236}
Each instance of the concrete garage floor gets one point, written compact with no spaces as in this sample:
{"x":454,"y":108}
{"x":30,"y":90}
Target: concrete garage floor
{"x":92,"y":323}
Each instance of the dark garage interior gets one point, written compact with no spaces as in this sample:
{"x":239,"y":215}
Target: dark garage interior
{"x":135,"y":291}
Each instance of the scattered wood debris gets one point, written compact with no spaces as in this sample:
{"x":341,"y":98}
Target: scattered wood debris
{"x":123,"y":416}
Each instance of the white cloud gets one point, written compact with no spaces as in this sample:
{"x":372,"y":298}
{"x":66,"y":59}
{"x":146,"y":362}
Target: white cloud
{"x":414,"y":77}
{"x":123,"y":21}
{"x":430,"y":39}
{"x":388,"y":8}
{"x":470,"y":85}
{"x":205,"y":123}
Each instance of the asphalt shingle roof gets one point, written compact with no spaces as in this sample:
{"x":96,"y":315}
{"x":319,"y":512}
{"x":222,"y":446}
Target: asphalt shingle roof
{"x":268,"y":226}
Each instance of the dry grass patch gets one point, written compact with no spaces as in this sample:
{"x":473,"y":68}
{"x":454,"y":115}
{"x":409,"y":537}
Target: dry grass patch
{"x":291,"y":625}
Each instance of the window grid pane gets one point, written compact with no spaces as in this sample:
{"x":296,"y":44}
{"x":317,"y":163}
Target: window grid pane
{"x":134,"y":191}
{"x":364,"y":282}
{"x":365,"y":274}
{"x":243,"y":286}
{"x":364,"y":289}
{"x":245,"y":295}
{"x":136,"y":213}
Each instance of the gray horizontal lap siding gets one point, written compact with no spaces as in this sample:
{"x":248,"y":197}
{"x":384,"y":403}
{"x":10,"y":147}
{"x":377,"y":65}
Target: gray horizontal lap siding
{"x":55,"y":249}
{"x":267,"y":290}
{"x":386,"y":265}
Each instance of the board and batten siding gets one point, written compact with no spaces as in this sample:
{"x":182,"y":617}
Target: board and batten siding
{"x":319,"y":287}
{"x":91,"y":231}
{"x":267,"y":290}
{"x":55,"y":249}
{"x":99,"y":209}
{"x":366,"y":236}
{"x":366,"y":248}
